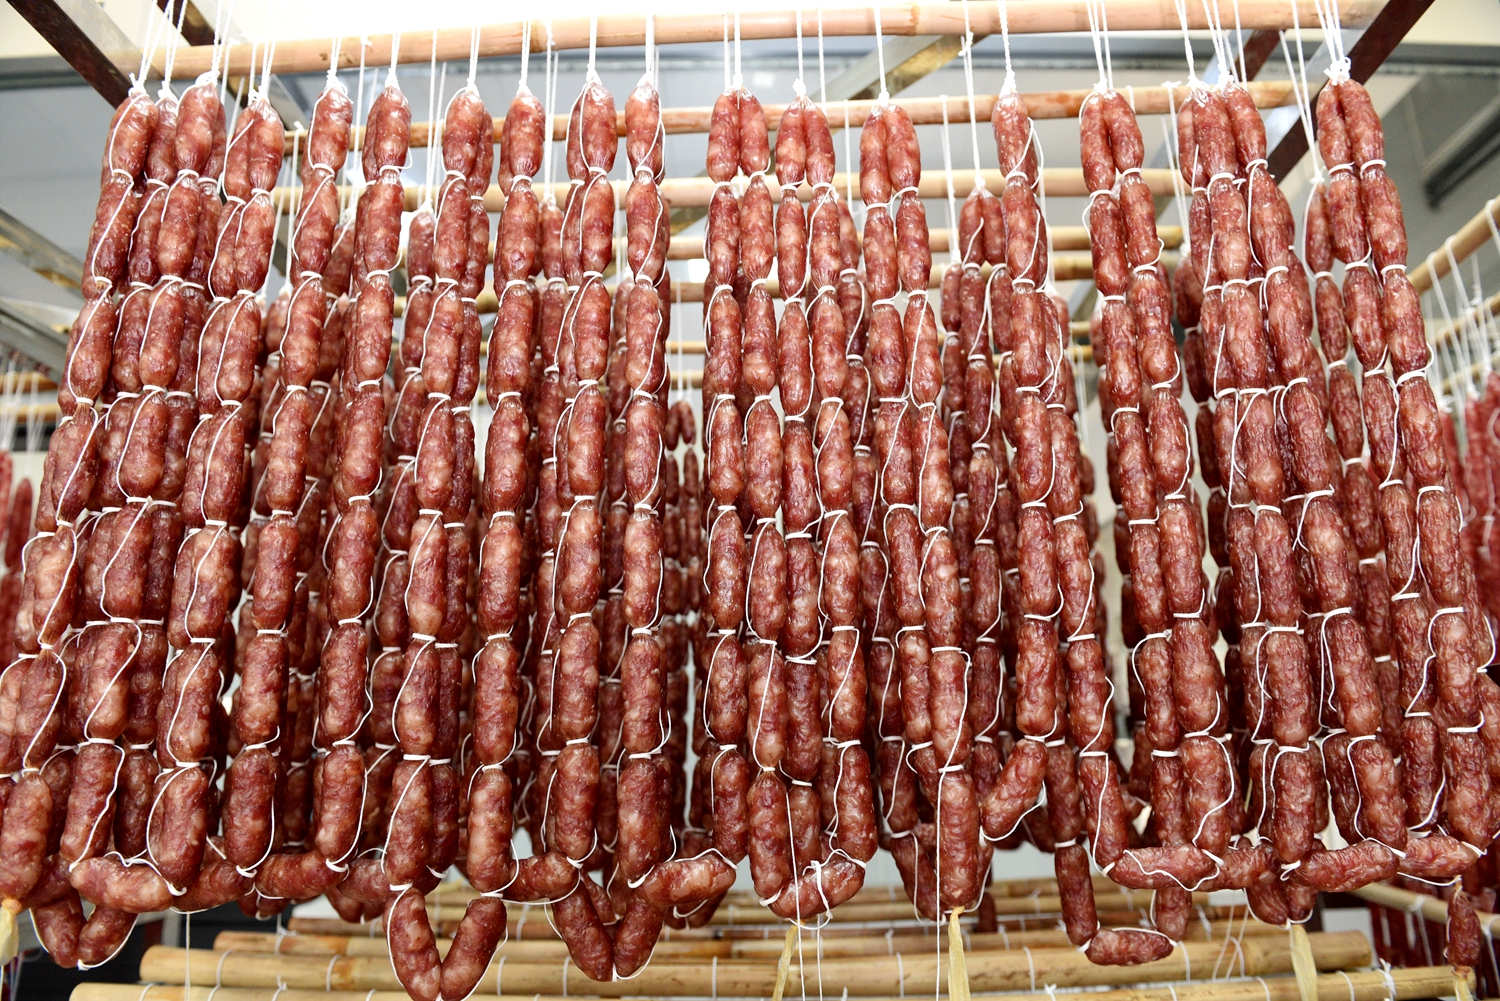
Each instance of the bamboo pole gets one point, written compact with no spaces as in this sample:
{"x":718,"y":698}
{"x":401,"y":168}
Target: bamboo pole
{"x":1434,"y":909}
{"x":461,"y":891}
{"x":767,"y":950}
{"x":1066,"y":266}
{"x":867,"y":976}
{"x":1490,"y":307}
{"x":695,"y":192}
{"x":1364,"y":985}
{"x":534,"y":926}
{"x":1045,"y":104}
{"x":1468,"y":239}
{"x":688,"y":248}
{"x":932,"y":17}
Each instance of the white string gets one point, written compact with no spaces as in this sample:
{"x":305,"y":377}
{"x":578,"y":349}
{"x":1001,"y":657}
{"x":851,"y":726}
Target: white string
{"x":953,"y":252}
{"x":799,"y":86}
{"x":154,"y":25}
{"x":173,"y":42}
{"x":968,"y":54}
{"x":1187,"y":41}
{"x":728,"y":57}
{"x":885,"y":95}
{"x":549,"y":97}
{"x":593,"y":46}
{"x":474,"y":52}
{"x":1240,"y":39}
{"x":739,"y":77}
{"x":1010,"y":72}
{"x":822,"y":79}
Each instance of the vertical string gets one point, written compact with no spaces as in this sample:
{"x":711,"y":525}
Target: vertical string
{"x":1169,"y":136}
{"x":1010,"y":71}
{"x":799,"y":86}
{"x":651,"y":47}
{"x":1239,"y":38}
{"x":265,"y":75}
{"x":1010,"y":86}
{"x":850,"y":168}
{"x":953,"y":250}
{"x":822,"y":78}
{"x":474,"y":52}
{"x":739,"y":76}
{"x":1187,"y":41}
{"x":549,"y":98}
{"x":885,"y":95}
{"x":334,"y":48}
{"x":593,"y":46}
{"x":432,"y":141}
{"x":390,"y":79}
{"x":166,"y":76}
{"x":728,"y":58}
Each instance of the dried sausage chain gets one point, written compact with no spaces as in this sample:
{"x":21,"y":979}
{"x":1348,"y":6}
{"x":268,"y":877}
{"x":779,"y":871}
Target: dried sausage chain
{"x":872,"y":608}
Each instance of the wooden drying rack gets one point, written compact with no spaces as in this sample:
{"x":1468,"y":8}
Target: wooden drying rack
{"x":931,"y":17}
{"x":1040,"y":105}
{"x":872,"y":948}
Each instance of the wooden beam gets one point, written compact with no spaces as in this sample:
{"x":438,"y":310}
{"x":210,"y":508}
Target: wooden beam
{"x":862,"y":976}
{"x":1258,"y":48}
{"x":83,"y":34}
{"x":1061,"y":182}
{"x":1379,"y":40}
{"x":1043,"y":104}
{"x":932,"y":17}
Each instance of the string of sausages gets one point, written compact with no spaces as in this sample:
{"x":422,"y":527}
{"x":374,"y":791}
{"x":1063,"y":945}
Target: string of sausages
{"x":1440,"y":631}
{"x":342,"y":544}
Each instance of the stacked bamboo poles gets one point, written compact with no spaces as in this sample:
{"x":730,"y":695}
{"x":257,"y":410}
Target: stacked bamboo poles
{"x":997,"y":969}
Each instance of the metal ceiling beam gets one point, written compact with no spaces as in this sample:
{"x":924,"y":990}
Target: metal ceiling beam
{"x":35,"y":331}
{"x":39,"y":253}
{"x":84,"y":35}
{"x":1365,"y":57}
{"x":907,"y":60}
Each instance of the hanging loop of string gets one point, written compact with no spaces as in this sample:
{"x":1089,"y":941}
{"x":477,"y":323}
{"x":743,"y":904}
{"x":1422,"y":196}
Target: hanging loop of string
{"x":885,"y":95}
{"x":968,"y":57}
{"x":1099,"y":34}
{"x":1009,"y":86}
{"x":474,"y":52}
{"x":1187,"y":43}
{"x":593,"y":75}
{"x":799,"y":85}
{"x":822,"y":78}
{"x":739,"y":76}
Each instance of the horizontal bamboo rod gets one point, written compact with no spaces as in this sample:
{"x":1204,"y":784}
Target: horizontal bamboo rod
{"x":1490,"y":307}
{"x":536,"y":928}
{"x":932,"y":17}
{"x":1042,"y":104}
{"x":1434,"y":909}
{"x":1473,"y":235}
{"x":695,"y":192}
{"x":688,"y":248}
{"x":767,"y":950}
{"x":863,"y":976}
{"x":1365,"y":985}
{"x":1067,"y":266}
